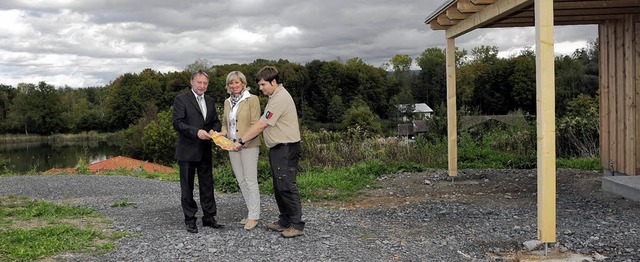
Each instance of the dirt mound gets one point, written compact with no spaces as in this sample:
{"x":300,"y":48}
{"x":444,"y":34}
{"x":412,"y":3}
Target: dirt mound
{"x":471,"y":185}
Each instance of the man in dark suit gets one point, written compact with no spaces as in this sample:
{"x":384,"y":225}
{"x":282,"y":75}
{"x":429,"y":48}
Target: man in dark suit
{"x":195,"y":118}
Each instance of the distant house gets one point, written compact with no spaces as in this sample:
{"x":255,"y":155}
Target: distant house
{"x":421,"y":111}
{"x":410,"y":130}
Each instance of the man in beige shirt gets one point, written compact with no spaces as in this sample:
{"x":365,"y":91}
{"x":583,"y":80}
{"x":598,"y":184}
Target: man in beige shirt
{"x":282,"y":136}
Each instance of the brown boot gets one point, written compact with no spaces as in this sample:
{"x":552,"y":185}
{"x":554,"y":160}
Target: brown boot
{"x":275,"y":227}
{"x":292,"y":232}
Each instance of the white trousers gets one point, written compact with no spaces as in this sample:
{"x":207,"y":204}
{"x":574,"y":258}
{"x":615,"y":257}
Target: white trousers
{"x":245,"y":168}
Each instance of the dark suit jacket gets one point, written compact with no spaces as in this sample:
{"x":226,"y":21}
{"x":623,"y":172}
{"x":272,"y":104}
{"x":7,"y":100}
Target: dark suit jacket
{"x":187,"y":120}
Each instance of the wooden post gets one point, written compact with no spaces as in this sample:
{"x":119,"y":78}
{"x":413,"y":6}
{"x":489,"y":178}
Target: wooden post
{"x":603,"y":35}
{"x":629,"y":96}
{"x":546,"y":128}
{"x":636,"y":112}
{"x":452,"y":127}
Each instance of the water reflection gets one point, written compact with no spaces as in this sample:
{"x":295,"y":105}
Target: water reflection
{"x":39,"y":156}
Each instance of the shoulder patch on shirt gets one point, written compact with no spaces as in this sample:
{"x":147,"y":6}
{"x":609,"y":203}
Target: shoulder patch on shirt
{"x":268,"y":114}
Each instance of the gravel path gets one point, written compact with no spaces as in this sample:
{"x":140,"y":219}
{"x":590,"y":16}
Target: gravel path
{"x":438,"y":229}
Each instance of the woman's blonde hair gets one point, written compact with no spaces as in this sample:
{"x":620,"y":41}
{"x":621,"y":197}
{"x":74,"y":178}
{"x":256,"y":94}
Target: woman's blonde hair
{"x":233,"y":75}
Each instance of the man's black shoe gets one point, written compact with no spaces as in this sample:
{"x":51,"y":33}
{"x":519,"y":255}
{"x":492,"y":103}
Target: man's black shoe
{"x":192,"y":228}
{"x":212,"y":224}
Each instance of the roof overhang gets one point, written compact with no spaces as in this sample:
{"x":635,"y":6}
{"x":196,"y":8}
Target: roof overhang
{"x":458,"y":17}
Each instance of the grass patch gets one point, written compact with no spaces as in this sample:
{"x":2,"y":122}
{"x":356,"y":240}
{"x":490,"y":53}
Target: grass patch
{"x":586,"y":163}
{"x":37,"y":229}
{"x":340,"y":184}
{"x":172,"y":176}
{"x":123,"y":203}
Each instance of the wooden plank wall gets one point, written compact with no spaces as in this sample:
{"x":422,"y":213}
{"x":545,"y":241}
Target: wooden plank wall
{"x":619,"y":42}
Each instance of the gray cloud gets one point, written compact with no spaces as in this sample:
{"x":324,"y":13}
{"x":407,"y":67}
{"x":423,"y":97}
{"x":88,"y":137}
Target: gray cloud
{"x":91,"y":42}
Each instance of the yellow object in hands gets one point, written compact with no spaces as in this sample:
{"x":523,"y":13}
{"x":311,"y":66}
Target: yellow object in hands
{"x":221,"y":141}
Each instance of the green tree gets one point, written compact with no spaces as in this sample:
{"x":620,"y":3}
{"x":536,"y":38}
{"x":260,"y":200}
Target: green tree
{"x":368,"y":83}
{"x":403,"y":105}
{"x":37,"y":109}
{"x":493,"y":90}
{"x":401,"y":63}
{"x":199,"y":64}
{"x":174,"y":84}
{"x":336,"y":109}
{"x":484,"y":54}
{"x":159,"y":139}
{"x":21,"y":113}
{"x":523,"y":80}
{"x":7,"y":93}
{"x":124,"y":104}
{"x":96,"y":96}
{"x":433,"y":77}
{"x":588,"y":57}
{"x":569,"y":81}
{"x":312,"y":92}
{"x":130,"y":94}
{"x":51,"y":119}
{"x":329,"y":84}
{"x":360,"y":115}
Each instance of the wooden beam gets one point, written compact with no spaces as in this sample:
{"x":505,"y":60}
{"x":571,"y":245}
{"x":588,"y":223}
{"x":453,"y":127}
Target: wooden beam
{"x":629,"y":96}
{"x":489,"y":14}
{"x":443,"y":20}
{"x":453,"y":14}
{"x":595,"y":4}
{"x":436,"y":26}
{"x":564,"y":9}
{"x":483,"y":2}
{"x":597,"y":11}
{"x":619,"y":87}
{"x":636,"y":56}
{"x":545,"y":115}
{"x":604,"y":94}
{"x":577,"y":19}
{"x":452,"y":127}
{"x":507,"y":25}
{"x":466,"y":6}
{"x":611,"y":49}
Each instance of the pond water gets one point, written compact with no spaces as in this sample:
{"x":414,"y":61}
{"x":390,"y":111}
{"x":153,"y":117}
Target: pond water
{"x":39,"y":156}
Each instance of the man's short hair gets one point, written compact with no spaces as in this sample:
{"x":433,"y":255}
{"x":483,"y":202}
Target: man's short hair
{"x":268,"y":73}
{"x":199,"y":72}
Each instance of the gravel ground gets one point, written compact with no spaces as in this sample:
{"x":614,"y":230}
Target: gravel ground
{"x":484,"y":215}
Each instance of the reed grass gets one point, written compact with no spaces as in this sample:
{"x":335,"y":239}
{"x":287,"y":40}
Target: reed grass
{"x":84,"y":136}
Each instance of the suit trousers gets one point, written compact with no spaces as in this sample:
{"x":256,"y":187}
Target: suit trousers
{"x":245,"y":168}
{"x":188,"y":171}
{"x":284,"y":171}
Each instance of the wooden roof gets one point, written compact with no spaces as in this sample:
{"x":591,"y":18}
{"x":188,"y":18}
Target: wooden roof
{"x":462,"y":16}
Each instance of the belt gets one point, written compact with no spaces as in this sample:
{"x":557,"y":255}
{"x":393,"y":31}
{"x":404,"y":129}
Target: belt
{"x":286,"y":144}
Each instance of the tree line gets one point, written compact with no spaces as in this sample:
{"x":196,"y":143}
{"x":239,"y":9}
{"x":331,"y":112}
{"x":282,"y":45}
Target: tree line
{"x":329,"y":95}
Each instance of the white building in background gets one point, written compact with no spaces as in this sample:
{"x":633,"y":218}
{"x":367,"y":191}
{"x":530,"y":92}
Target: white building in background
{"x":421,"y":111}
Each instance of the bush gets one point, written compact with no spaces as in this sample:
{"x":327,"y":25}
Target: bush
{"x":578,"y":132}
{"x":495,"y":144}
{"x":159,"y":139}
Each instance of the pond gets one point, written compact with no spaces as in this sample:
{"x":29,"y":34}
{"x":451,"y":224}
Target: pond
{"x":39,"y":156}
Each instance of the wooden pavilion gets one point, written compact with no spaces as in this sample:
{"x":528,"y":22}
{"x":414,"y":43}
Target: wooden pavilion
{"x":619,"y":49}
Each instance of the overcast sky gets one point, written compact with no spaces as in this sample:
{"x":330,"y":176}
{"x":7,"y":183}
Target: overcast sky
{"x":81,"y":43}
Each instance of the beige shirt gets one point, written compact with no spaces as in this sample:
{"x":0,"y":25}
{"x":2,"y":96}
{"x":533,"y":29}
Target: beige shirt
{"x":281,"y":117}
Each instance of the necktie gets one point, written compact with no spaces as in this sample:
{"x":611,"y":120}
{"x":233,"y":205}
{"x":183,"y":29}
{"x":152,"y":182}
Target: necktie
{"x":203,"y":106}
